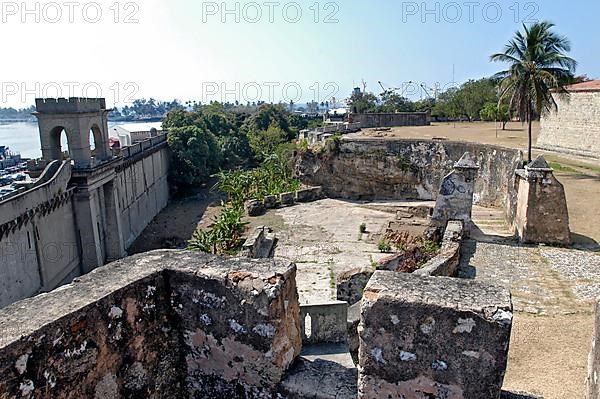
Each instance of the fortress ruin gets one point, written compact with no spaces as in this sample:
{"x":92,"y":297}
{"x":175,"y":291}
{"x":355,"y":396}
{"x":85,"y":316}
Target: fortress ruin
{"x":171,"y":324}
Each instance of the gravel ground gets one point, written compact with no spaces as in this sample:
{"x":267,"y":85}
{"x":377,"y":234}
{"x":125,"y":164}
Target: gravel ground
{"x":580,"y":267}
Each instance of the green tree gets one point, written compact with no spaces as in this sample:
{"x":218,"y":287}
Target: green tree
{"x":265,"y":142}
{"x":474,"y":94}
{"x":392,"y":102}
{"x":361,"y":103}
{"x":496,"y":112}
{"x":425,"y":105}
{"x":538,"y":64}
{"x":196,"y":155}
{"x":266,"y":116}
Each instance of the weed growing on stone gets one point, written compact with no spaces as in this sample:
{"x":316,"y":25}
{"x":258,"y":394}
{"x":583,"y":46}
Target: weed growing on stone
{"x":384,"y":246}
{"x":362,"y":228}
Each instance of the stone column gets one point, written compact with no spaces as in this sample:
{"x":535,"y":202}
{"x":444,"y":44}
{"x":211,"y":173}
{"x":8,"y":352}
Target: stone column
{"x":115,"y":247}
{"x":455,"y":199}
{"x":89,"y":234}
{"x":542,"y":215}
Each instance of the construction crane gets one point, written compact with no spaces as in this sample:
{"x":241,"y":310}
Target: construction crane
{"x":428,"y":92}
{"x":396,"y":89}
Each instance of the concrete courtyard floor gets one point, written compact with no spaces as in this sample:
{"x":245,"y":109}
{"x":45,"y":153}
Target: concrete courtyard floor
{"x":324,"y":240}
{"x":552,"y":288}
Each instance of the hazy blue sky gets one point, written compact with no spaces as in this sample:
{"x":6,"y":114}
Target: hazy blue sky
{"x":191,"y":49}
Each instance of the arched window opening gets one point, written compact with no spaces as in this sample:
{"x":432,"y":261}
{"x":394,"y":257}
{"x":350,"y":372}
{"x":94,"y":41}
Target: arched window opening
{"x":60,"y":143}
{"x":95,"y":139}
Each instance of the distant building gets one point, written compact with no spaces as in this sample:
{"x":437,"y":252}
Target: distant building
{"x":131,"y":133}
{"x":575,"y":126}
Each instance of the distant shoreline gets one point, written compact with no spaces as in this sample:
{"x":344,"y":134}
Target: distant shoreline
{"x":134,"y":120}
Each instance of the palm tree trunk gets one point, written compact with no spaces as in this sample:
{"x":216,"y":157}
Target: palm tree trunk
{"x":529,"y":156}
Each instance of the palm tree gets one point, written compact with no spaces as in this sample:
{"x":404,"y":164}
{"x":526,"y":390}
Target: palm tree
{"x":538,"y":65}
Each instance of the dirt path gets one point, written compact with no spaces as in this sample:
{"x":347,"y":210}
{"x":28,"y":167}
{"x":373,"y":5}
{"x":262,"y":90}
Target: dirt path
{"x":552,"y":293}
{"x":174,"y":226}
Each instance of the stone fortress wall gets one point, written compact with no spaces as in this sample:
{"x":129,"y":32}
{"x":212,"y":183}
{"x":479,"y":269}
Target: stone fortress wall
{"x":575,"y":126}
{"x":143,"y":189}
{"x":38,"y":237}
{"x":80,"y":213}
{"x":398,"y":169}
{"x":378,"y":120}
{"x":170,"y":324}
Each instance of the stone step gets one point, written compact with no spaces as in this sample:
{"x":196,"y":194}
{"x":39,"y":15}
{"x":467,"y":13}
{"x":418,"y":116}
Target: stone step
{"x":322,"y":372}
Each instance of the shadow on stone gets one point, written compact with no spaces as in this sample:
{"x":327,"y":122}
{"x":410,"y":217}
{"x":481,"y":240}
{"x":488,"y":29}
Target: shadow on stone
{"x":320,"y":379}
{"x":518,"y":395}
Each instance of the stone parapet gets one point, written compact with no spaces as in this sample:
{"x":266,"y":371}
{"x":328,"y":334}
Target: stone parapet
{"x":163,"y":324}
{"x":432,"y":337}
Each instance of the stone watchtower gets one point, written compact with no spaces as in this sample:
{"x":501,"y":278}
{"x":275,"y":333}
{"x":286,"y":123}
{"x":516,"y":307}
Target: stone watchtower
{"x":96,"y":199}
{"x":80,"y":119}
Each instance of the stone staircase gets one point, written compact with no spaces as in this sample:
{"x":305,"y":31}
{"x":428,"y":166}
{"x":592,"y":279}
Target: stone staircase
{"x":489,"y":225}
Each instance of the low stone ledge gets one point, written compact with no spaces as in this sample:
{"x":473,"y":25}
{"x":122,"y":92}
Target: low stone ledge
{"x":593,"y":378}
{"x":446,"y":263}
{"x":309,"y":194}
{"x":255,"y":208}
{"x":287,"y":199}
{"x":432,"y":336}
{"x":328,"y":322}
{"x":161,"y":324}
{"x":259,"y":207}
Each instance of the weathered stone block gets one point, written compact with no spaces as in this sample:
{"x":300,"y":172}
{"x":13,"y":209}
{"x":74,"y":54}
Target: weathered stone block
{"x":351,"y":284}
{"x":309,"y":194}
{"x":271,"y":202}
{"x":253,"y":242}
{"x":240,"y":327}
{"x":254,"y":208}
{"x":432,"y":337}
{"x":106,"y":336}
{"x":328,"y":322}
{"x":165,"y":324}
{"x":542,"y":215}
{"x":593,"y":378}
{"x":287,"y":199}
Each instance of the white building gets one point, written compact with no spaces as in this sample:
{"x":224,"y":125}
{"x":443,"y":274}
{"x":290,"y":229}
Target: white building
{"x":131,"y":133}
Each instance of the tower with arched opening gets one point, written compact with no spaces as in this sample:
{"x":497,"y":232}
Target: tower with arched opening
{"x":84,"y":122}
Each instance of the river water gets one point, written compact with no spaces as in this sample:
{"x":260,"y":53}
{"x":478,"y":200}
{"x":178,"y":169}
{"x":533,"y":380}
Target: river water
{"x":24,"y":137}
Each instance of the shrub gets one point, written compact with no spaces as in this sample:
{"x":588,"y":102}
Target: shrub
{"x":362,"y":228}
{"x":384,"y":246}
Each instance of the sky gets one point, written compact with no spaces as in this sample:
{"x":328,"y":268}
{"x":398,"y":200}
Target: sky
{"x":266,"y":50}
